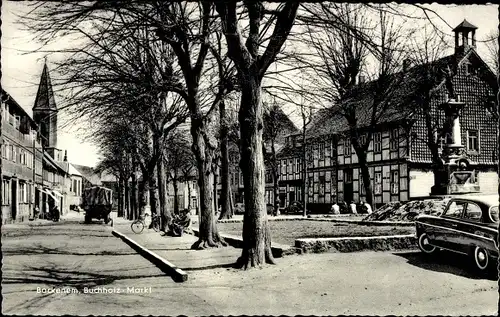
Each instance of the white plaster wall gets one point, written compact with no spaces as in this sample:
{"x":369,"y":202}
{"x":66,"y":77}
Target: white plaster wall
{"x":488,"y":182}
{"x":420,"y":183}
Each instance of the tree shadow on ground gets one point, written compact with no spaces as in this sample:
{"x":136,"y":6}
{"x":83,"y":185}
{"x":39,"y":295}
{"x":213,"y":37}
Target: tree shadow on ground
{"x":50,"y":275}
{"x":446,"y":262}
{"x":215,"y":266}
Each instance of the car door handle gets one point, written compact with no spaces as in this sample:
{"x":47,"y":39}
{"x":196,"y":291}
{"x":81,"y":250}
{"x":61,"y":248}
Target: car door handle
{"x":453,"y":225}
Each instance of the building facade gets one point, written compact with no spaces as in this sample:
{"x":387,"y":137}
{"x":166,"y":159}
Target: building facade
{"x":35,"y":174}
{"x":21,"y":161}
{"x":399,"y":159}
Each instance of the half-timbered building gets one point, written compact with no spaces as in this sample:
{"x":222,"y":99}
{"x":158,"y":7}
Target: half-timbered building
{"x":399,"y":159}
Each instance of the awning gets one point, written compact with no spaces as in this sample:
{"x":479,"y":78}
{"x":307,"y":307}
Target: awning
{"x":55,"y":192}
{"x":48,"y":192}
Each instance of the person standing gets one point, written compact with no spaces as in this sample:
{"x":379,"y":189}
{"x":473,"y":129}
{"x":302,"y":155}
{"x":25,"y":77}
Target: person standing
{"x":368,"y":208}
{"x":353,"y":207}
{"x":335,"y":209}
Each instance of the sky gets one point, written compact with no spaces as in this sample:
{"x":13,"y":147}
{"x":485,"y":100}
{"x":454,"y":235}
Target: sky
{"x":21,"y":69}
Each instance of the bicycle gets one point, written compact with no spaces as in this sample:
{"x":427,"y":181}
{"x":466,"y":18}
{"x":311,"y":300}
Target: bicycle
{"x":138,"y":225}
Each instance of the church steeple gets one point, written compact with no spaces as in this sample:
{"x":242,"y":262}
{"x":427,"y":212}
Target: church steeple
{"x":462,"y":40}
{"x":45,"y":114}
{"x":45,"y":95}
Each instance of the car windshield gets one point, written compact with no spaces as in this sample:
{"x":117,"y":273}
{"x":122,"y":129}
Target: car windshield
{"x":494,"y":213}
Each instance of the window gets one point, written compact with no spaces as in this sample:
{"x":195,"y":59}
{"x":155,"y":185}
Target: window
{"x":6,"y":192}
{"x":23,"y":194}
{"x":4,"y":150}
{"x":348,"y":176}
{"x":14,"y":153}
{"x":315,"y":152}
{"x":473,"y":212}
{"x":361,"y":185}
{"x":394,"y":139}
{"x":473,"y":141}
{"x":269,"y":177}
{"x":394,"y":182}
{"x":378,"y":183}
{"x":299,"y":165}
{"x":322,"y":185}
{"x":347,"y":146}
{"x":455,"y":209}
{"x":322,"y":151}
{"x":377,"y":142}
{"x":17,"y":122}
{"x":362,"y":139}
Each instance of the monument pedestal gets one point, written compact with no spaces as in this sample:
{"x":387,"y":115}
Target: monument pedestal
{"x":455,"y":177}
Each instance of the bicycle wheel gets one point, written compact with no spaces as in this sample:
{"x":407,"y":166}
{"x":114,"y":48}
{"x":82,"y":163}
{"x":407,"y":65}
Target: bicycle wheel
{"x":156,"y":224}
{"x":137,"y":226}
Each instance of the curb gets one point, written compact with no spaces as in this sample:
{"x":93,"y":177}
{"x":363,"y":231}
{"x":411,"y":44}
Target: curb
{"x":177,"y":274}
{"x":358,"y":222}
{"x":278,"y":250}
{"x":354,"y":244}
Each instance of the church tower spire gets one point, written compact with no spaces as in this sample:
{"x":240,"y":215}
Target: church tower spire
{"x":45,"y":113}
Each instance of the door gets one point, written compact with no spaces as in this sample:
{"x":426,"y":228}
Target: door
{"x":348,"y":188}
{"x":292,"y":197}
{"x":475,"y":231}
{"x":14,"y":199}
{"x":447,"y":228}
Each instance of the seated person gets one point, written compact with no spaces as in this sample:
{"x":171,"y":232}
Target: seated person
{"x":180,"y":223}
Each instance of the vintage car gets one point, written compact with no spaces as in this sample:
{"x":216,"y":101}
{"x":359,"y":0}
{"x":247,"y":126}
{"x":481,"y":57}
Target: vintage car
{"x":468,"y":225}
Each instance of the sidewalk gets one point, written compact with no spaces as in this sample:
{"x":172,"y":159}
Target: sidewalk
{"x":178,"y":249}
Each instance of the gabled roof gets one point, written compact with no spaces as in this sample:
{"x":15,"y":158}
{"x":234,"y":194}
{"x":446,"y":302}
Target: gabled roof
{"x":464,"y":26}
{"x":7,"y":98}
{"x":45,"y":95}
{"x":49,"y":160}
{"x":331,"y":120}
{"x":89,"y":174}
{"x":73,"y":171}
{"x":282,"y":117}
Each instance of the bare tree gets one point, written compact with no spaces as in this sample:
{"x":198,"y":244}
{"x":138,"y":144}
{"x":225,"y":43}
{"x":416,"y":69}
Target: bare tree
{"x":276,"y":124}
{"x":252,"y":67}
{"x":492,"y":54}
{"x":179,"y":162}
{"x":306,"y":114}
{"x":430,"y":70}
{"x":343,"y":51}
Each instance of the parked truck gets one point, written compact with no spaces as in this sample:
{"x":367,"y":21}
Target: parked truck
{"x":97,"y":202}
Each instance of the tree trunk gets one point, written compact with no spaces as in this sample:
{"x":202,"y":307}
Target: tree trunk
{"x":437,"y":163}
{"x":498,"y":149}
{"x":365,"y":173}
{"x":124,"y":197}
{"x":188,"y":184}
{"x":175,"y":183}
{"x":154,"y":199}
{"x":305,"y":182}
{"x":216,"y":201}
{"x":120,"y":197}
{"x":225,"y":185}
{"x":166,"y":216}
{"x":208,"y":234}
{"x":231,"y":201}
{"x":256,"y":233}
{"x":143,"y":191}
{"x":127,"y":199}
{"x":274,"y":168}
{"x":134,"y":196}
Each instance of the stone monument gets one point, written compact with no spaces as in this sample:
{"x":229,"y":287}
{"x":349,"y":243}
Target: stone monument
{"x":456,"y":175}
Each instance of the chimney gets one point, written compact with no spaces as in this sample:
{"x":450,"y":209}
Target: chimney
{"x":65,"y":156}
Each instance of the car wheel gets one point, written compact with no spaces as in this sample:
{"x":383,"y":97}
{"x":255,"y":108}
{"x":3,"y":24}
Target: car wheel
{"x":424,"y":244}
{"x":481,"y":258}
